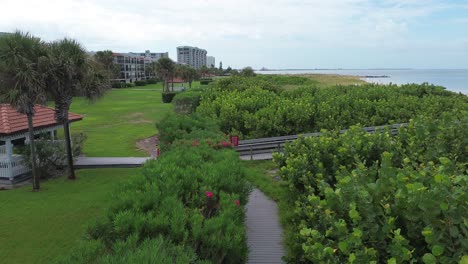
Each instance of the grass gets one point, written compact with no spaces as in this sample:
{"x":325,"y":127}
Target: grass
{"x":264,"y":175}
{"x":327,"y":80}
{"x":38,"y":227}
{"x":117,"y":121}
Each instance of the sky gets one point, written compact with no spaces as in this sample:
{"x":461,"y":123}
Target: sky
{"x":276,"y":34}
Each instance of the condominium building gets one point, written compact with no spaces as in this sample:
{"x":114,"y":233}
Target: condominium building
{"x":133,"y":65}
{"x":210,"y":62}
{"x":191,"y":56}
{"x":152,"y":56}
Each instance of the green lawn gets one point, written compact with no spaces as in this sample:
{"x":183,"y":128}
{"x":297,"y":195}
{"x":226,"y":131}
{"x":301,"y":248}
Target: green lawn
{"x":115,"y":122}
{"x":38,"y":227}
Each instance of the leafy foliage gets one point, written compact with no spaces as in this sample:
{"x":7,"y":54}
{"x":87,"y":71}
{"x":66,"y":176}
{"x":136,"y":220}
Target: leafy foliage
{"x":187,"y":102}
{"x":175,"y":127}
{"x":167,"y":97}
{"x":374,"y":198}
{"x":51,"y":154}
{"x":189,"y":197}
{"x":255,"y":107}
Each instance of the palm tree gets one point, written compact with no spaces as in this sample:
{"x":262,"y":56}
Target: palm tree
{"x":187,"y":73}
{"x":165,"y":69}
{"x":69,"y":68}
{"x":106,"y":58}
{"x":22,"y":81}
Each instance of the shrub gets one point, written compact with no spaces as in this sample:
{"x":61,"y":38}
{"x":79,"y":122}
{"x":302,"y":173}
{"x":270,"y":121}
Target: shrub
{"x":118,"y":85}
{"x":374,"y":198}
{"x":250,"y":106}
{"x":151,"y":81}
{"x":129,"y":251}
{"x":52,"y":155}
{"x":187,"y":206}
{"x":186,"y":103}
{"x":141,"y":83}
{"x":129,"y":85}
{"x":168,"y":96}
{"x":175,"y":127}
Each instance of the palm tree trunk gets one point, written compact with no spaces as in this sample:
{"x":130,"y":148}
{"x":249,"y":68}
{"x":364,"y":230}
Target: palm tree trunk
{"x":36,"y":185}
{"x":190,"y":84}
{"x":66,"y":130}
{"x":172,"y":83}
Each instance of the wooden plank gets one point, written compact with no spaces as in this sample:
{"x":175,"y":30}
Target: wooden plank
{"x":264,"y":232}
{"x":109,"y":162}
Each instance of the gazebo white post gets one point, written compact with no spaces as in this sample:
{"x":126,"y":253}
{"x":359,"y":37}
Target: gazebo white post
{"x":52,"y":134}
{"x":9,"y":154}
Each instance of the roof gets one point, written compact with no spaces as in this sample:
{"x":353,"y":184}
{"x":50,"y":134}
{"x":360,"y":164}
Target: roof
{"x":176,"y":80}
{"x":11,"y":121}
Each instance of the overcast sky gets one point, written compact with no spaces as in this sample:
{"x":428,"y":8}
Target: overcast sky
{"x":261,"y":33}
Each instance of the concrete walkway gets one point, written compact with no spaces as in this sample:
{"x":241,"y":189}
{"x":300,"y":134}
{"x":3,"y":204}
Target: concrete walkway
{"x":264,"y":232}
{"x":127,"y":162}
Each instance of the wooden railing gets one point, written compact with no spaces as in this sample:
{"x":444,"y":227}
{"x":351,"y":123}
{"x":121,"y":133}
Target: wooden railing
{"x":10,"y":169}
{"x":252,"y":147}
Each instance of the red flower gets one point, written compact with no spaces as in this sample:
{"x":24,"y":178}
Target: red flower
{"x":209,"y":194}
{"x":237,"y":202}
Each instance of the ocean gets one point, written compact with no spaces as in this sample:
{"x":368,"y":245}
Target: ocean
{"x":454,"y":80}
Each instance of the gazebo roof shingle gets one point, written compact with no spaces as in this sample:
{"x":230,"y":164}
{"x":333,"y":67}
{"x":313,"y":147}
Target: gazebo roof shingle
{"x":11,"y":121}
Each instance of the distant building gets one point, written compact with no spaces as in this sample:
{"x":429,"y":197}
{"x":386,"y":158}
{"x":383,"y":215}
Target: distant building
{"x":152,"y":56}
{"x":210,"y":62}
{"x":132,"y":67}
{"x":191,"y":56}
{"x":133,"y":64}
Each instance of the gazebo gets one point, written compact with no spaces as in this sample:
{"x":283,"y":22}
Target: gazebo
{"x":177,"y":81}
{"x":13,"y":128}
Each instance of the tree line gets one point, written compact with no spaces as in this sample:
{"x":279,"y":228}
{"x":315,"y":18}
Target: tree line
{"x":33,"y":71}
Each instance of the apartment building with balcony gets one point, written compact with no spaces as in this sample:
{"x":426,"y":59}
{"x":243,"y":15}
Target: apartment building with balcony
{"x":192,"y":56}
{"x":133,"y":64}
{"x":132,"y":67}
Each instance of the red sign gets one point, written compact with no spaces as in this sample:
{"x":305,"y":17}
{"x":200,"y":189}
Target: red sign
{"x":234,"y":140}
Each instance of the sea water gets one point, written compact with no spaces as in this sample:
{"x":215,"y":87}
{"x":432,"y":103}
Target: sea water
{"x":452,"y":79}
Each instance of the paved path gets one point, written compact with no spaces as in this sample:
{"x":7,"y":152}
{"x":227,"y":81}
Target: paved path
{"x":264,"y":232}
{"x":127,"y":162}
{"x":264,"y":156}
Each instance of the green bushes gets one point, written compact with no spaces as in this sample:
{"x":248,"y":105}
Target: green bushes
{"x":51,"y":155}
{"x":205,"y":81}
{"x":188,"y":204}
{"x":141,"y":83}
{"x":187,"y":103}
{"x":238,"y":83}
{"x":122,"y":85}
{"x":151,"y":81}
{"x":255,"y":109}
{"x":175,"y":127}
{"x":168,"y":96}
{"x":374,"y":198}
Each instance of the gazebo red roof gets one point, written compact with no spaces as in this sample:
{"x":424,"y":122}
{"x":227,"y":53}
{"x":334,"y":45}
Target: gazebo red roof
{"x":13,"y":122}
{"x":176,"y":80}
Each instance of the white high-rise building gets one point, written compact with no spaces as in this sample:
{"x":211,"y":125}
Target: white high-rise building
{"x":191,"y":56}
{"x":210,"y":62}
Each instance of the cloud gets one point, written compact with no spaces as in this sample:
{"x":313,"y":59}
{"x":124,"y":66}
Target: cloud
{"x":228,"y":28}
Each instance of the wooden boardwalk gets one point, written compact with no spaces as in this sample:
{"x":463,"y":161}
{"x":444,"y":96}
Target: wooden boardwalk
{"x":110,"y":162}
{"x":262,"y":156}
{"x":264,"y":232}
